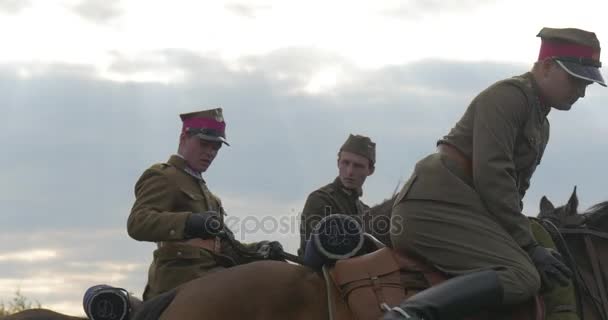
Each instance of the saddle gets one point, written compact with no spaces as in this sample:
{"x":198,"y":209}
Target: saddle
{"x":370,"y":283}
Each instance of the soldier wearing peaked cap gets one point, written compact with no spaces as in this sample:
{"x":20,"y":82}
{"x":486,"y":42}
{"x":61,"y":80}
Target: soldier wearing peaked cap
{"x":356,"y":162}
{"x":462,"y":207}
{"x":174,"y":208}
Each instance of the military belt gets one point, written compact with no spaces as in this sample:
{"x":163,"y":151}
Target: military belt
{"x":213,"y":244}
{"x":458,"y":157}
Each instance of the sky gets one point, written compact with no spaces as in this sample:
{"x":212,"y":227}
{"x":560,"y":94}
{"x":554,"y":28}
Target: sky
{"x":91,"y":90}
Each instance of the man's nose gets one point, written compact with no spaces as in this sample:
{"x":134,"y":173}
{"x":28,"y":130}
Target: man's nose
{"x":349,"y":170}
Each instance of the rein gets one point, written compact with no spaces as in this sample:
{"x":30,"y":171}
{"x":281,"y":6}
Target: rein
{"x":599,"y":303}
{"x":585,"y":231}
{"x":253,"y":254}
{"x":292,"y":258}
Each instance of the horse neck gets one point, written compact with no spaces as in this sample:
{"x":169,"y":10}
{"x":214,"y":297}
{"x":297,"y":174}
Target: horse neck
{"x":597,"y":216}
{"x":589,"y":254}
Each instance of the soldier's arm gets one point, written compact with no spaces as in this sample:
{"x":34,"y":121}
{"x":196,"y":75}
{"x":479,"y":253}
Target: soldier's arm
{"x":317,"y":206}
{"x":500,"y":113}
{"x":151,"y":218}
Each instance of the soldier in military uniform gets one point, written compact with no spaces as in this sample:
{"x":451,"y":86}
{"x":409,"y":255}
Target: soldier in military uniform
{"x":356,"y":162}
{"x":462,"y":207}
{"x":174,"y":208}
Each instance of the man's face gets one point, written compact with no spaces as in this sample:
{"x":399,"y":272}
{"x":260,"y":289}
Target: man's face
{"x":197,"y":152}
{"x":560,"y":89}
{"x":353,"y":169}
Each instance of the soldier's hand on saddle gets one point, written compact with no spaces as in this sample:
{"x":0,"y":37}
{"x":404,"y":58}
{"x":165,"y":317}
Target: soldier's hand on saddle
{"x":203,"y":225}
{"x":550,"y":266}
{"x":272,"y":250}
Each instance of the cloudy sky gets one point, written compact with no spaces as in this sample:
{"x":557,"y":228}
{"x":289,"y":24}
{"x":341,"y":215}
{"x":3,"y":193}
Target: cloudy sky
{"x":90,"y":92}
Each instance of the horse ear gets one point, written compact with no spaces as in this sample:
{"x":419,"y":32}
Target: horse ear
{"x":572,"y":205}
{"x":545,"y":205}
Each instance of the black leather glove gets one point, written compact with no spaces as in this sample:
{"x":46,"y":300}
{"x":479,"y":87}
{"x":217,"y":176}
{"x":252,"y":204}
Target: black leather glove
{"x":271,"y":250}
{"x":550,"y":266}
{"x":203,"y":225}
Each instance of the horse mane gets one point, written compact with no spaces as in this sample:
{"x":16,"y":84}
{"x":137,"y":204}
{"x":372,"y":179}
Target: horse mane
{"x":597,"y":216}
{"x":383,"y":208}
{"x":378,"y":222}
{"x":600,"y":208}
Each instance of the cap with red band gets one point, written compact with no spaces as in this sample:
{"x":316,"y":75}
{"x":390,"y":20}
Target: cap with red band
{"x":207,"y":124}
{"x":576,"y":51}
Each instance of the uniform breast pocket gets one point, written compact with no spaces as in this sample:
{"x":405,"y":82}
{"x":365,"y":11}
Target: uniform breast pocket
{"x":527,"y":148}
{"x":194,"y":202}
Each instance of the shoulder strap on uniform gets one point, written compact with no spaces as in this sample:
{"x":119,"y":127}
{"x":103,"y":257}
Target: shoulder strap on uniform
{"x":525,"y":85}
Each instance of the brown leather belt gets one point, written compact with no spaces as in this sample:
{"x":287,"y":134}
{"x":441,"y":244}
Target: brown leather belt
{"x":457,"y":156}
{"x":213,"y":244}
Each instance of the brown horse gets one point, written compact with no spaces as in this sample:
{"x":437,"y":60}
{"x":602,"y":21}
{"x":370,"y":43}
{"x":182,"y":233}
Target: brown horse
{"x":39,"y":314}
{"x":277,"y":290}
{"x":274,"y":290}
{"x":259,"y":290}
{"x":583,"y":241}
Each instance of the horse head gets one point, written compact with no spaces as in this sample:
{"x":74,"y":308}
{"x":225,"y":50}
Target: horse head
{"x":567,"y":216}
{"x":562,"y":216}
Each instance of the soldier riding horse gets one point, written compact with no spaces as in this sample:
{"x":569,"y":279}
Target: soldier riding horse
{"x":277,"y":290}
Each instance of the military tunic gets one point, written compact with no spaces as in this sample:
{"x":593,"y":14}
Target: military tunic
{"x":333,"y":198}
{"x":467,"y":221}
{"x":165,"y":195}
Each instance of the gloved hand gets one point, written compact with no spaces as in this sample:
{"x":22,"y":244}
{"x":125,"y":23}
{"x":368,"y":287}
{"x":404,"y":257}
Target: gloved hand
{"x":271,"y":250}
{"x":203,"y":225}
{"x":550,"y":266}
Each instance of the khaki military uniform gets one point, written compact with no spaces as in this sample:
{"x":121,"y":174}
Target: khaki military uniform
{"x":467,"y":219}
{"x":166,"y":194}
{"x":331,"y":199}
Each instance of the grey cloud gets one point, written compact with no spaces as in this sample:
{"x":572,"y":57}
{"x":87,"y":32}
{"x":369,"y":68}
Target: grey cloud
{"x":14,"y":6}
{"x":74,"y":144}
{"x":415,"y":9}
{"x":86,"y":257}
{"x":246,"y":10}
{"x":98,"y":11}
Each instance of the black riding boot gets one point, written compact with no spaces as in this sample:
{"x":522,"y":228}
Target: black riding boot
{"x":453,"y":299}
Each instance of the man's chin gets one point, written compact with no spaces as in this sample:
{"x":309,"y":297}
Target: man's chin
{"x":349,"y":185}
{"x":564,"y":107}
{"x":203,"y":167}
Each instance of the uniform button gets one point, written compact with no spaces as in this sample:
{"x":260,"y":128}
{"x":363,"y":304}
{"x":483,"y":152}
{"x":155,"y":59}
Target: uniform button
{"x":179,"y":253}
{"x":172,"y":232}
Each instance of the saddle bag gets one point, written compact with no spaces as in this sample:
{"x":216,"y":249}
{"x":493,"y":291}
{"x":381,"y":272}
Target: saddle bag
{"x":368,"y":282}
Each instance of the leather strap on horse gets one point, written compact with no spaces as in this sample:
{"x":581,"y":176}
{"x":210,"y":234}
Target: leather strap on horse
{"x":330,"y":296}
{"x":562,"y":247}
{"x":597,"y":275}
{"x":248,"y":253}
{"x":580,"y":282}
{"x":600,"y":234}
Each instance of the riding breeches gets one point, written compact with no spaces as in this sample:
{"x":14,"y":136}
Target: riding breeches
{"x":458,"y":235}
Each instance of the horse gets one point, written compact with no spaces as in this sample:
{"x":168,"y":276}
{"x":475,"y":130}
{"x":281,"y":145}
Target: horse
{"x":39,"y":314}
{"x":278,"y":290}
{"x":583,"y":241}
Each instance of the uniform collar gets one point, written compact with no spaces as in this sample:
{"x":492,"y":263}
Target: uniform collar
{"x":179,"y":162}
{"x":349,"y":192}
{"x":544,"y":108}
